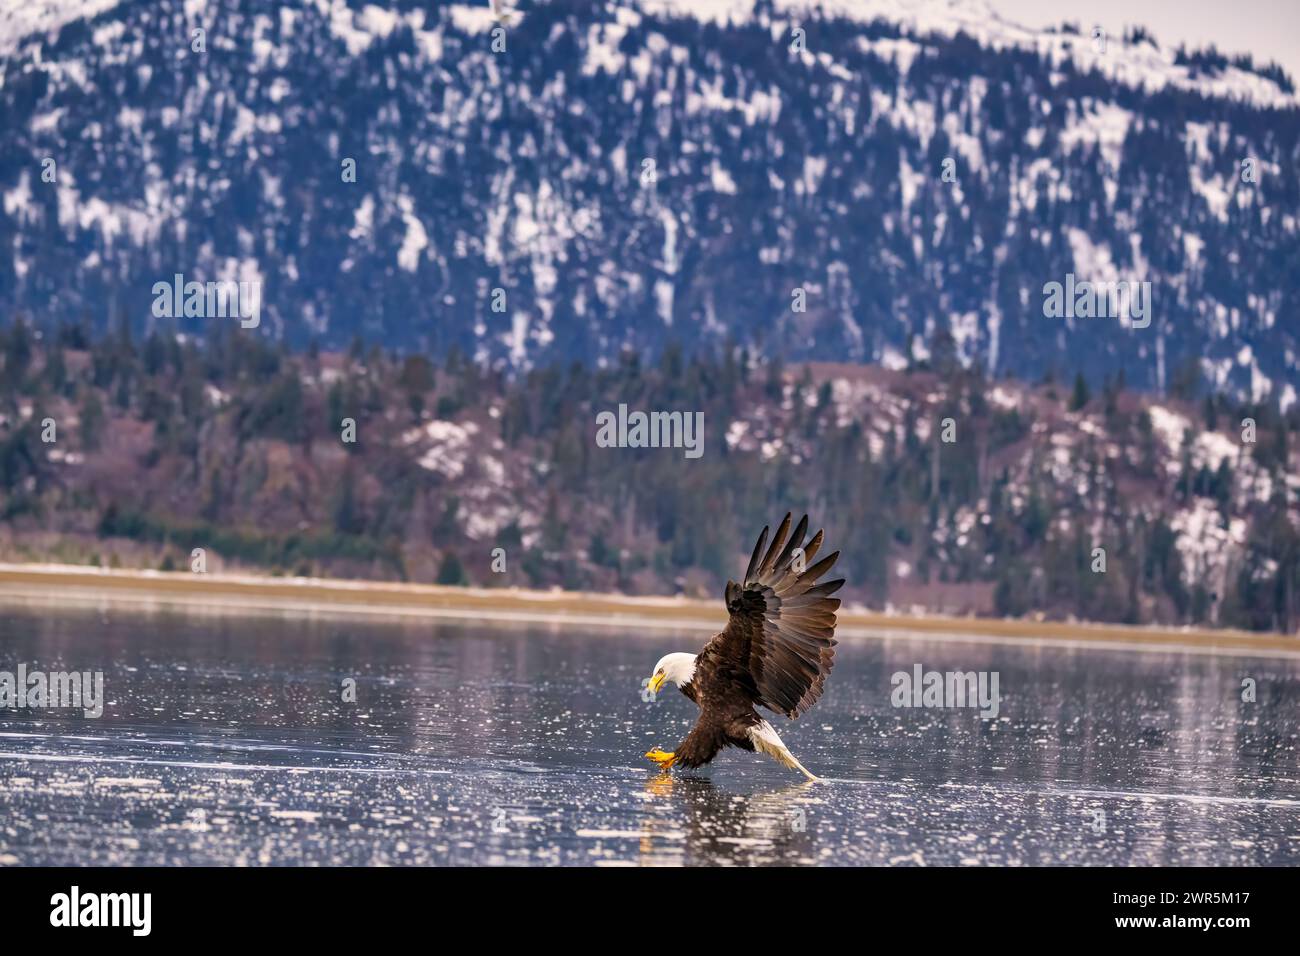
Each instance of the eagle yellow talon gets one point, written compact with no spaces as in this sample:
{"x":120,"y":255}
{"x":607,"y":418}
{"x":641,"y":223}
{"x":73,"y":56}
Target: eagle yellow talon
{"x":663,"y":758}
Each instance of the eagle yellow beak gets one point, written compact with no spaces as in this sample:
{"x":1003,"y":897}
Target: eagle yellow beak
{"x":657,"y":681}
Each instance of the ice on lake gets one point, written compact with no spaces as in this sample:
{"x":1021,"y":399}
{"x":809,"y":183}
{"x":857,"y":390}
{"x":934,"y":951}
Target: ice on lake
{"x":227,"y":740}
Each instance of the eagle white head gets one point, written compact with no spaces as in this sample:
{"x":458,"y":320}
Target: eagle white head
{"x":678,"y":668}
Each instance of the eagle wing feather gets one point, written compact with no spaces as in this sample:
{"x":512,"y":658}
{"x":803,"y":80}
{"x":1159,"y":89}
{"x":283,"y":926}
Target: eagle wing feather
{"x":782,"y":623}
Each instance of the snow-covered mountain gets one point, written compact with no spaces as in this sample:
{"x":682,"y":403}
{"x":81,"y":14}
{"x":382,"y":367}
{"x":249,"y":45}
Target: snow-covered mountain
{"x":837,"y":180}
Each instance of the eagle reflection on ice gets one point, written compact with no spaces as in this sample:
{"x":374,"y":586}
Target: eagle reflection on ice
{"x":694,"y":820}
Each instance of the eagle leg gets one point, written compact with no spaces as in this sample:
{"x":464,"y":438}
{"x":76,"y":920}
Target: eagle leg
{"x":664,"y":759}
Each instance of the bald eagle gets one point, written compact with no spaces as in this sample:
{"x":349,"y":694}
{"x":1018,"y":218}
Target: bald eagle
{"x":775,"y":652}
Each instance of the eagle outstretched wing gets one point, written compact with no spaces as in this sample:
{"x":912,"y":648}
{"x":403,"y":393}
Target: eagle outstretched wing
{"x":782,"y":622}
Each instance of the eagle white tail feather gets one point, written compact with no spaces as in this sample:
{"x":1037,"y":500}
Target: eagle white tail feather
{"x":765,"y":740}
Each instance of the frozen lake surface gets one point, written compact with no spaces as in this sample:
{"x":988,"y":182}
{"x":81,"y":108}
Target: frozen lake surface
{"x":225,"y":740}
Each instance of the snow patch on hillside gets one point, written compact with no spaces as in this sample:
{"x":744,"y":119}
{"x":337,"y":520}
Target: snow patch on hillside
{"x":1139,"y":65}
{"x":21,"y":20}
{"x":449,"y":447}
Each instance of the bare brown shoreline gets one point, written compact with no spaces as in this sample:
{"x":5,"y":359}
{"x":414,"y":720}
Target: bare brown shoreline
{"x":248,"y":594}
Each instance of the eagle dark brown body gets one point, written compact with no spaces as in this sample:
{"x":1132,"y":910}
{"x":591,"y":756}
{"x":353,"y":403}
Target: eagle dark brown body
{"x":776,"y":652}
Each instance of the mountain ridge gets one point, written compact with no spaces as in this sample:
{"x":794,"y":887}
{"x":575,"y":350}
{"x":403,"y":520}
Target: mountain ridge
{"x":514,"y":180}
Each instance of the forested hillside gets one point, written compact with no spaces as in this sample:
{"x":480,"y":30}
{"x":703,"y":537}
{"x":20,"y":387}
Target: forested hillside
{"x":163,"y":445}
